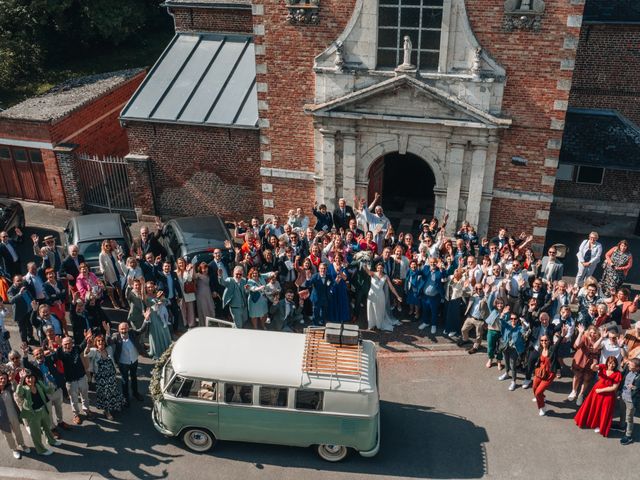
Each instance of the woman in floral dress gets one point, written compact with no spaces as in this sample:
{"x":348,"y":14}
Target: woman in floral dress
{"x":618,"y":261}
{"x":108,"y":389}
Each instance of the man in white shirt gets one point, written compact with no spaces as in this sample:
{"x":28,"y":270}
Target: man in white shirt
{"x":36,"y":282}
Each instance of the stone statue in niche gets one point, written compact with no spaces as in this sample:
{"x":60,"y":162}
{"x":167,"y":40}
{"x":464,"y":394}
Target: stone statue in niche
{"x":406,"y":65}
{"x":303,"y":12}
{"x":523,"y":15}
{"x":476,"y":65}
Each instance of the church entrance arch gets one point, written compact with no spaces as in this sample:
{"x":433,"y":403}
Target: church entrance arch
{"x":406,"y":184}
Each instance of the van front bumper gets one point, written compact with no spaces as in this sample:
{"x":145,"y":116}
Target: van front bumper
{"x":159,"y":426}
{"x":374,"y":451}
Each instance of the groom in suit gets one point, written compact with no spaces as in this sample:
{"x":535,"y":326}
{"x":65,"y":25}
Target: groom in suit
{"x":322,"y":285}
{"x":235,"y":296}
{"x":285,"y":314}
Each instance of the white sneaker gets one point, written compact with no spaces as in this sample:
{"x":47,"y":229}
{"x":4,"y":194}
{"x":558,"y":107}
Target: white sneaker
{"x":534,"y":399}
{"x":433,"y":329}
{"x":512,"y":386}
{"x":422,"y":326}
{"x":452,"y":335}
{"x":542,"y":412}
{"x":47,"y":452}
{"x":572,"y":396}
{"x":526,"y":384}
{"x":504,"y":376}
{"x":597,"y":430}
{"x":17,"y":455}
{"x":25,"y":449}
{"x":57,"y":443}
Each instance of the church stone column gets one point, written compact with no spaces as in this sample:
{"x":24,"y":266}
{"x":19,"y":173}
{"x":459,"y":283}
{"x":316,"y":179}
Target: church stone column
{"x":328,"y":196}
{"x":348,"y":166}
{"x":476,"y":184}
{"x":455,"y":159}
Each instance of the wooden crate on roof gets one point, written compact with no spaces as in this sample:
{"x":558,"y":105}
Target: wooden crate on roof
{"x":324,"y":358}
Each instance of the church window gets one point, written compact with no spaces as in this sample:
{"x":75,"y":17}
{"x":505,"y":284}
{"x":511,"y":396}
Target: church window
{"x":421,"y":21}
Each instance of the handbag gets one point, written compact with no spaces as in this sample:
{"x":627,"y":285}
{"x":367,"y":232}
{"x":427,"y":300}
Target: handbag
{"x":190,"y":286}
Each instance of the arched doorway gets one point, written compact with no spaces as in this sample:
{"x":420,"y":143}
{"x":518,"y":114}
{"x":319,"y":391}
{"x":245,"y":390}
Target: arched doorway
{"x":406,"y":183}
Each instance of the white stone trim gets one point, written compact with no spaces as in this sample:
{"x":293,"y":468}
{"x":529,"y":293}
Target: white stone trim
{"x":262,"y":87}
{"x":285,"y":173}
{"x":26,"y":143}
{"x":574,"y":21}
{"x":267,"y":187}
{"x":259,"y":50}
{"x":261,"y":68}
{"x":542,"y":214}
{"x":263,"y":123}
{"x":257,"y":10}
{"x":567,"y":64}
{"x":264,"y":139}
{"x":570,"y":43}
{"x":554,"y":144}
{"x":265,"y":155}
{"x":561,"y":105}
{"x":548,"y":180}
{"x":539,"y":231}
{"x":564,"y":84}
{"x":522,"y":195}
{"x":557,"y":124}
{"x":263,"y":105}
{"x":258,"y":29}
{"x":551,"y":162}
{"x":267,"y":202}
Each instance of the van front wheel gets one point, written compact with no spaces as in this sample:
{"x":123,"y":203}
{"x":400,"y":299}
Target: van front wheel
{"x":332,"y":453}
{"x":198,"y":440}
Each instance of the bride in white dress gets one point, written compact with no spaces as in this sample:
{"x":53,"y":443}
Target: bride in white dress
{"x":377,"y":315}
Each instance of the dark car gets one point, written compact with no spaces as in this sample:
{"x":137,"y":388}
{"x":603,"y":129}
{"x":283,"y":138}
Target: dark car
{"x":11,"y":215}
{"x":194,"y":238}
{"x":88,"y":232}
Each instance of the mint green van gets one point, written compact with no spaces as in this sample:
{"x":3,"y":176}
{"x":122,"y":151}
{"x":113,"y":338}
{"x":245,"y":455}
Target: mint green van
{"x":269,"y":387}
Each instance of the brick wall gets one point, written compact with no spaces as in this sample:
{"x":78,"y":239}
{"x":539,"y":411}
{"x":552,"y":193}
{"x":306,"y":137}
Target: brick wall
{"x":212,"y":20}
{"x":24,"y":130}
{"x":290,"y":84}
{"x":607,"y":63}
{"x":201,"y":170}
{"x":539,"y":68}
{"x":95,"y":127}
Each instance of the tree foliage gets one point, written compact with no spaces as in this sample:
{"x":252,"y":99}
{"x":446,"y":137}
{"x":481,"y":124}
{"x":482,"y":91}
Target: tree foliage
{"x":36,"y":32}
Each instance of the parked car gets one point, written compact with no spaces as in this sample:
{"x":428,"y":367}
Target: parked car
{"x":268,"y":387}
{"x":11,"y":215}
{"x":88,"y":232}
{"x":194,"y":238}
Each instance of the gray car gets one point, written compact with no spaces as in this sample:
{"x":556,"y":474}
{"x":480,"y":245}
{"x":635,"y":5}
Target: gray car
{"x":194,"y":238}
{"x":88,"y":232}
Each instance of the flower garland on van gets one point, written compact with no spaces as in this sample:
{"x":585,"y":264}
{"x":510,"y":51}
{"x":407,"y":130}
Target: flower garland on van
{"x":155,"y":389}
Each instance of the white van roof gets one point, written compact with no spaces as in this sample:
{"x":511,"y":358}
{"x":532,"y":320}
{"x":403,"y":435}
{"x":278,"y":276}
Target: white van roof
{"x":260,"y":357}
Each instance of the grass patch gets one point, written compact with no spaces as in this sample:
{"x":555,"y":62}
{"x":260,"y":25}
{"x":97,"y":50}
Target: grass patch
{"x":141,"y":51}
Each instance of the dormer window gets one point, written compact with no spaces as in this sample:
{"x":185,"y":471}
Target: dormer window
{"x":421,"y":21}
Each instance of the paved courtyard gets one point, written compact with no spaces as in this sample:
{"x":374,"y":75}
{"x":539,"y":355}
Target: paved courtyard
{"x":443,"y":416}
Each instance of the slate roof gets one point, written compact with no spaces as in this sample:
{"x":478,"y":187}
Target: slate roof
{"x":200,"y":79}
{"x":612,"y":11}
{"x":600,"y":138}
{"x":68,"y":96}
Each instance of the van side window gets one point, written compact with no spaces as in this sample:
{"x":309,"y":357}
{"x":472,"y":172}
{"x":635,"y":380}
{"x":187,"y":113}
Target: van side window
{"x":236,"y":393}
{"x":309,"y":400}
{"x":273,"y":397}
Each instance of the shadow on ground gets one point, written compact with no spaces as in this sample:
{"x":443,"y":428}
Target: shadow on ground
{"x":426,"y":444}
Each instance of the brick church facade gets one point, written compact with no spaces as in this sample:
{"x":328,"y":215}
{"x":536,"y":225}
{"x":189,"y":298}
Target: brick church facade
{"x":459,"y":106}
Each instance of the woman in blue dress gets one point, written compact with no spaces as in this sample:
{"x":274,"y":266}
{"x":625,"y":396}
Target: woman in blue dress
{"x":257,"y":301}
{"x":339,"y":305}
{"x":412,"y":287}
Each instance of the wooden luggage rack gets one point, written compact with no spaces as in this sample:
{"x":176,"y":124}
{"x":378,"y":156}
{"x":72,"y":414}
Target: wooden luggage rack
{"x":323,"y":358}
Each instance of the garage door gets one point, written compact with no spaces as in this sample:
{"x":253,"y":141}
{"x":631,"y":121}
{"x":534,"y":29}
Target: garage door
{"x":22,"y":174}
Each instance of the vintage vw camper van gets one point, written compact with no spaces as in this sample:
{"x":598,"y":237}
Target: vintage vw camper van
{"x":269,"y":387}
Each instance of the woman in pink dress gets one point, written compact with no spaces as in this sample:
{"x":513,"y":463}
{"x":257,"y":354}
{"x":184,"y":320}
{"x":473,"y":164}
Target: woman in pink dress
{"x":88,"y":284}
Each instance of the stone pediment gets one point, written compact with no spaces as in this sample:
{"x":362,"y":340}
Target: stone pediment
{"x":407,"y":99}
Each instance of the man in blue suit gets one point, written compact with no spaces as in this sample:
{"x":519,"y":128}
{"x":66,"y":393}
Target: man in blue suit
{"x":431,"y":295}
{"x":321,"y":285}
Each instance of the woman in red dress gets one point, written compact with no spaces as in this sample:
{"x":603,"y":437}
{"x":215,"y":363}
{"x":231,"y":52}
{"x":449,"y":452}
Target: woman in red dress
{"x":597,"y":410}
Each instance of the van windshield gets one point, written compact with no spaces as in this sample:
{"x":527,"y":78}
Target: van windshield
{"x":168,"y":373}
